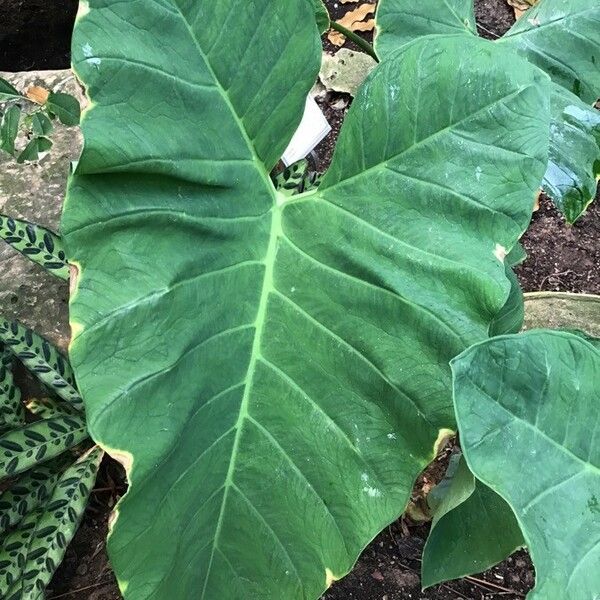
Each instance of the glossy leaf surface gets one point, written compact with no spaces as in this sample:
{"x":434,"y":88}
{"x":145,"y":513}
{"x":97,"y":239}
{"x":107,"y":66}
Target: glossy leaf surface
{"x":563,"y":39}
{"x":560,"y":37}
{"x":273,"y":371}
{"x":527,"y":410}
{"x":572,"y":176}
{"x":402,"y":21}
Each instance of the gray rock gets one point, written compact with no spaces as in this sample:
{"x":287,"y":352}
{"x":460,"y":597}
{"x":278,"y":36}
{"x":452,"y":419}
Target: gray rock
{"x":345,"y":70}
{"x":35,"y":192}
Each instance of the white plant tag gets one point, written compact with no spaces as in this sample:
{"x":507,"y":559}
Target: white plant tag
{"x":313,"y":128}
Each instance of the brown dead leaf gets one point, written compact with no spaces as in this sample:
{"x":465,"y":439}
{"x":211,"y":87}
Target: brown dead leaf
{"x":38,"y":94}
{"x":349,"y":1}
{"x":354,"y":20}
{"x":521,"y":6}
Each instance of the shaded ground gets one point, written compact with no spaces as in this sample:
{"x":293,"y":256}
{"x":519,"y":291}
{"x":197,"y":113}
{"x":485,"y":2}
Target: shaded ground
{"x":34,"y":34}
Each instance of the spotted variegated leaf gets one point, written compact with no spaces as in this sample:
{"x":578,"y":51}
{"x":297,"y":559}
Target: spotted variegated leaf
{"x":296,"y":179}
{"x":31,"y":554}
{"x":22,"y":448}
{"x":11,"y":409}
{"x":42,"y":359}
{"x":46,"y":408}
{"x":37,"y":243}
{"x":29,"y":491}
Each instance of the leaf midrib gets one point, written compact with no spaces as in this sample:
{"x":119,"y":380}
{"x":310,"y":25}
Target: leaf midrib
{"x":243,"y":415}
{"x":259,"y":163}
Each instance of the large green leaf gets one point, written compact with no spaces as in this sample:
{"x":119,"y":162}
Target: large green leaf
{"x":472,"y":530}
{"x":563,"y":39}
{"x":402,"y":21}
{"x":272,"y":370}
{"x":527,"y":410}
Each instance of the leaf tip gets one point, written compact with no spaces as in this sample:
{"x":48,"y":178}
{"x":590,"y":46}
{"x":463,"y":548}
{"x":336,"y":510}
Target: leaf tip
{"x":330,"y":578}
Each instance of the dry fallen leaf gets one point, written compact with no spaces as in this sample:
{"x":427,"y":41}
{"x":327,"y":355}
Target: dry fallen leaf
{"x":354,"y":20}
{"x":521,"y":6}
{"x":38,"y":94}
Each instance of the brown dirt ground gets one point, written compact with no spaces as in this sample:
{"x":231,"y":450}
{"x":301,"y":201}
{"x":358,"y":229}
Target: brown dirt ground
{"x":34,"y":35}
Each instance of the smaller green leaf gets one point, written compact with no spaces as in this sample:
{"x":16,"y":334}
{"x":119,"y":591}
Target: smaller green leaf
{"x":41,"y":124}
{"x":11,"y":409}
{"x":321,"y":15}
{"x":37,"y":442}
{"x":65,"y":107}
{"x":574,"y":162}
{"x":9,"y":128}
{"x":472,"y":530}
{"x":510,"y":318}
{"x":29,"y":491}
{"x":8,"y":91}
{"x":42,"y":359}
{"x":516,"y":256}
{"x":38,"y":244}
{"x":34,"y":148}
{"x":527,"y":411}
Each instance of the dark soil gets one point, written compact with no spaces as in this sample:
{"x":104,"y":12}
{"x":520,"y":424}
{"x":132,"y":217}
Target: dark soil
{"x":561,"y":257}
{"x":35,"y":34}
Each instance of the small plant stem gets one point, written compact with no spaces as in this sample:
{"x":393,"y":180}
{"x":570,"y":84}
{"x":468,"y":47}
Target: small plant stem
{"x":353,"y":37}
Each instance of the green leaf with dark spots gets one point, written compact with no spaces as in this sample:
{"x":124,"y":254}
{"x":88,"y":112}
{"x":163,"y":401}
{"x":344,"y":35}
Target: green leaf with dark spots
{"x":39,"y":441}
{"x":36,"y":243}
{"x":42,"y":360}
{"x":30,"y":490}
{"x":32,"y":552}
{"x":11,"y":409}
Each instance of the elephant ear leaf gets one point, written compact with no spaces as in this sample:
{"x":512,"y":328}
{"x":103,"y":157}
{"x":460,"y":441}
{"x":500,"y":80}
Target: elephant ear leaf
{"x":563,"y":39}
{"x":400,"y":21}
{"x":272,"y":361}
{"x":473,"y":528}
{"x":527,"y":410}
{"x":321,"y":15}
{"x":574,"y":167}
